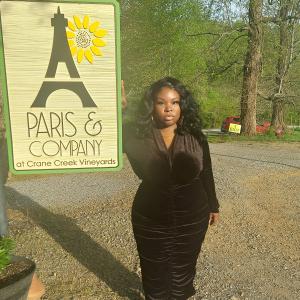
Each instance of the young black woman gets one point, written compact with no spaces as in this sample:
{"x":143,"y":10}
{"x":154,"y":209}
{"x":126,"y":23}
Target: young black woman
{"x":176,"y":200}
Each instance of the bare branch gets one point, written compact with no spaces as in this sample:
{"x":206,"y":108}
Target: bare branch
{"x":274,"y":20}
{"x":228,"y":66}
{"x":277,"y":97}
{"x":291,"y":102}
{"x":278,"y":20}
{"x":234,"y":40}
{"x":221,"y":34}
{"x":222,"y":69}
{"x":295,"y":56}
{"x":204,"y":33}
{"x":291,"y":48}
{"x":296,"y":42}
{"x":259,"y":94}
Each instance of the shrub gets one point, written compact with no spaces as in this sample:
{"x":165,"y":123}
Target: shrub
{"x":6,"y":247}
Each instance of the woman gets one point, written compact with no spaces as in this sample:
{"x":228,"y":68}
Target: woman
{"x":176,"y":199}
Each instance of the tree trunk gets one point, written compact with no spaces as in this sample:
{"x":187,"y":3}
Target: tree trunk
{"x":283,"y":63}
{"x":252,"y":69}
{"x":278,"y":114}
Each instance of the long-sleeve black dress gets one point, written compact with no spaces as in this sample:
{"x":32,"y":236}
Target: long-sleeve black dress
{"x":171,"y":209}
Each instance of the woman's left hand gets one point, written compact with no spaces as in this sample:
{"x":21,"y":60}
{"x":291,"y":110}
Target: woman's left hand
{"x":213,"y":218}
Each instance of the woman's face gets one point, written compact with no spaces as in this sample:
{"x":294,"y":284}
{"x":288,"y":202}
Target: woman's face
{"x":166,"y":111}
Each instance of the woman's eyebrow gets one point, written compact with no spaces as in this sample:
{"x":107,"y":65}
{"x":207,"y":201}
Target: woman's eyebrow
{"x":176,"y":98}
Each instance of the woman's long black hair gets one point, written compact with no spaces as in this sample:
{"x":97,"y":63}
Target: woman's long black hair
{"x":189,"y":122}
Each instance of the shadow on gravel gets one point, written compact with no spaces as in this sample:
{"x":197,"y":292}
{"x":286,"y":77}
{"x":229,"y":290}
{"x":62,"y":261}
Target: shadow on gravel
{"x":259,"y":160}
{"x":79,"y":244}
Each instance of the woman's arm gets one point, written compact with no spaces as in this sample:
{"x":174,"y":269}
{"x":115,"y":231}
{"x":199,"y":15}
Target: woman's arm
{"x":124,"y":100}
{"x":209,"y":184}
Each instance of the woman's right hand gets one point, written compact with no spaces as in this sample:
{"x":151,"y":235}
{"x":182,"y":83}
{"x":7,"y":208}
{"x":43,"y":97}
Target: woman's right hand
{"x":213,"y":218}
{"x":124,"y":100}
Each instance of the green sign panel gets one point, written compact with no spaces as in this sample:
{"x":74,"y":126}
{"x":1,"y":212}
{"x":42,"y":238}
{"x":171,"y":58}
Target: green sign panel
{"x":60,"y":73}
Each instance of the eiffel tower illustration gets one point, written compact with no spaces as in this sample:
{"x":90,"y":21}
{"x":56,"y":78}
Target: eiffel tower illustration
{"x":61,"y":53}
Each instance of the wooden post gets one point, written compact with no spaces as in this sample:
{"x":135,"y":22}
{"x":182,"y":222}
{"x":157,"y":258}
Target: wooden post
{"x":3,"y":217}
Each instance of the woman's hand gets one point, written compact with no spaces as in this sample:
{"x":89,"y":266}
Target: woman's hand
{"x":124,"y":100}
{"x":213,"y":218}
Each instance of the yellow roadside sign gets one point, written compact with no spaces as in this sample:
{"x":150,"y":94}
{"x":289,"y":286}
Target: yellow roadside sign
{"x":235,"y":128}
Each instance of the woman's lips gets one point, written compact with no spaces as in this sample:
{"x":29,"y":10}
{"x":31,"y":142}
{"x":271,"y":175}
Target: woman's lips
{"x":169,"y":118}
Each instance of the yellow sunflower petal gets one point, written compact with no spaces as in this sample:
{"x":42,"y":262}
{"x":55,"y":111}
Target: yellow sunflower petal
{"x":70,"y":34}
{"x":89,"y":55}
{"x":77,"y":22}
{"x":71,"y":43}
{"x":80,"y":54}
{"x":98,"y":42}
{"x":73,"y":50}
{"x":86,"y":22}
{"x":71,"y":26}
{"x":96,"y":51}
{"x":94,"y":26}
{"x":100,"y":33}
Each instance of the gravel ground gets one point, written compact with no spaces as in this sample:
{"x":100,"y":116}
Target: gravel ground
{"x":77,"y":228}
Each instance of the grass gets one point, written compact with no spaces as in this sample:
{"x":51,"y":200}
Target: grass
{"x":292,"y":136}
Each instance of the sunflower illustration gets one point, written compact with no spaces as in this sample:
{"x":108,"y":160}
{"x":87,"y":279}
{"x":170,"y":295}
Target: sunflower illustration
{"x":85,"y":39}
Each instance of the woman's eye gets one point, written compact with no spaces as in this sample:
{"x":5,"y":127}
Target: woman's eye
{"x":175,"y":102}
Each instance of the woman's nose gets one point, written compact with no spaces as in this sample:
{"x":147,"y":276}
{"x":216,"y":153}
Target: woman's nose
{"x":168,"y":107}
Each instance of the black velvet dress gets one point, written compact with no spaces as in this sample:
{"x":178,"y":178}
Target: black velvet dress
{"x":170,"y":211}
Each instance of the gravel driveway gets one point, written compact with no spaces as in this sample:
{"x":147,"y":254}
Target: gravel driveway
{"x":77,"y":228}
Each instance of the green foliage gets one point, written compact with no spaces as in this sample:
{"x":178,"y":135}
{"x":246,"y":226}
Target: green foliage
{"x":217,"y":106}
{"x":292,"y":117}
{"x":203,"y":44}
{"x":6,"y":247}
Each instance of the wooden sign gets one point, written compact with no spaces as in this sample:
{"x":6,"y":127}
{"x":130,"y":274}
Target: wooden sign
{"x":234,"y":128}
{"x":61,"y":85}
